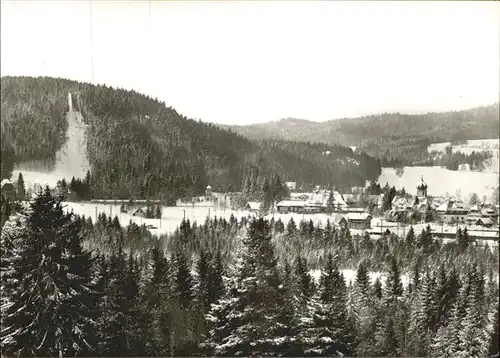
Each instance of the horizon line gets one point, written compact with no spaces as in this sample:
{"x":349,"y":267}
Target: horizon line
{"x":158,"y":99}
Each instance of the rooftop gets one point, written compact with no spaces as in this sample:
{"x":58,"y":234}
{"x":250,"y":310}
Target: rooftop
{"x":254,"y":205}
{"x":358,"y":216}
{"x":291,"y":203}
{"x":5,"y":182}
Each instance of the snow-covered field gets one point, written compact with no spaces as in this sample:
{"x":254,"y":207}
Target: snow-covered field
{"x":441,"y":181}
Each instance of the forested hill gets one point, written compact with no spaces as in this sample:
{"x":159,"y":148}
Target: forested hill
{"x":137,"y":146}
{"x":389,"y":135}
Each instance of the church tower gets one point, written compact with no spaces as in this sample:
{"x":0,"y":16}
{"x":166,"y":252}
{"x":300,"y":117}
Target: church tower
{"x":422,"y":189}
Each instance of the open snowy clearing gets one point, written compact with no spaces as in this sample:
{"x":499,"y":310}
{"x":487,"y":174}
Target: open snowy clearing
{"x":441,"y":182}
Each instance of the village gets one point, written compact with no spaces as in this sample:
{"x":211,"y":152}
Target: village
{"x":358,"y":210}
{"x":363,"y":212}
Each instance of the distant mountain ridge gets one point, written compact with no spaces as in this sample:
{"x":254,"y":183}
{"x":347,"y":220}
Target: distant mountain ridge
{"x":390,"y":135}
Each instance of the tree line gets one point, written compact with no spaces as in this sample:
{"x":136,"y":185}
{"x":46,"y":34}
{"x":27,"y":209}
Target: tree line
{"x":73,"y":287}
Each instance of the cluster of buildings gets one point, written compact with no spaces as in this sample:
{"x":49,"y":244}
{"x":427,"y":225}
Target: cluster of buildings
{"x":455,"y":212}
{"x":342,"y":215}
{"x":445,"y":210}
{"x":404,"y":207}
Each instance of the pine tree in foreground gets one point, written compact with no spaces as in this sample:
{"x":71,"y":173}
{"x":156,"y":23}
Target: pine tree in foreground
{"x":423,"y":320}
{"x":20,"y":188}
{"x":327,"y":330}
{"x":156,"y":305}
{"x":446,"y":342}
{"x":249,"y":319}
{"x":50,"y":312}
{"x":474,"y":337}
{"x":494,"y":336}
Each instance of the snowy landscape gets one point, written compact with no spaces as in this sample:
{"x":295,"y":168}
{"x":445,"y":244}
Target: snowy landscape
{"x":249,"y":179}
{"x":442,"y":182}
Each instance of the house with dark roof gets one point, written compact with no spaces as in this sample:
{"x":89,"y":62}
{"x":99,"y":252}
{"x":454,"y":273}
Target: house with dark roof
{"x":487,"y":222}
{"x":291,"y":206}
{"x":339,"y":220}
{"x":452,"y":211}
{"x":359,"y":221}
{"x":490,"y":212}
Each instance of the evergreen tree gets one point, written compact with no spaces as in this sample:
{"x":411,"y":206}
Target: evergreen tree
{"x":20,"y":188}
{"x":136,"y":323}
{"x":424,"y":240}
{"x":203,"y":274}
{"x":393,"y":286}
{"x":216,"y":279}
{"x":116,"y":335}
{"x":256,"y":325}
{"x":50,"y":311}
{"x":494,"y":337}
{"x":328,"y":233}
{"x":446,"y":343}
{"x":387,"y":342}
{"x":429,"y":217}
{"x":441,"y":297}
{"x":183,"y":281}
{"x":424,"y":316}
{"x":157,"y":305}
{"x":410,"y":237}
{"x":290,"y":346}
{"x":5,"y":210}
{"x":363,"y":311}
{"x":377,"y":289}
{"x":291,"y":228}
{"x":158,"y":212}
{"x":277,"y":189}
{"x":279,"y":226}
{"x":329,"y":331}
{"x":362,"y":279}
{"x":415,"y":276}
{"x":331,"y":201}
{"x":463,"y":239}
{"x":303,"y":279}
{"x":474,"y":338}
{"x":266,"y":195}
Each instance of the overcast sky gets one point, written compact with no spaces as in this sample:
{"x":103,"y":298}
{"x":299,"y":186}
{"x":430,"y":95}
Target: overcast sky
{"x":246,"y":62}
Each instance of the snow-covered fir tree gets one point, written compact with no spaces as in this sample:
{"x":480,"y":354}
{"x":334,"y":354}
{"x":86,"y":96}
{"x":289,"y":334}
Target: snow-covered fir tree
{"x":249,"y":320}
{"x":327,"y":329}
{"x":49,"y":313}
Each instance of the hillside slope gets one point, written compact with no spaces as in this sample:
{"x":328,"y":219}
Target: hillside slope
{"x":390,"y":135}
{"x":137,"y":146}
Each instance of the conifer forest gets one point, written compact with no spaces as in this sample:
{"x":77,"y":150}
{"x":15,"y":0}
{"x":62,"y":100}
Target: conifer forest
{"x":249,"y":179}
{"x":74,"y":287}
